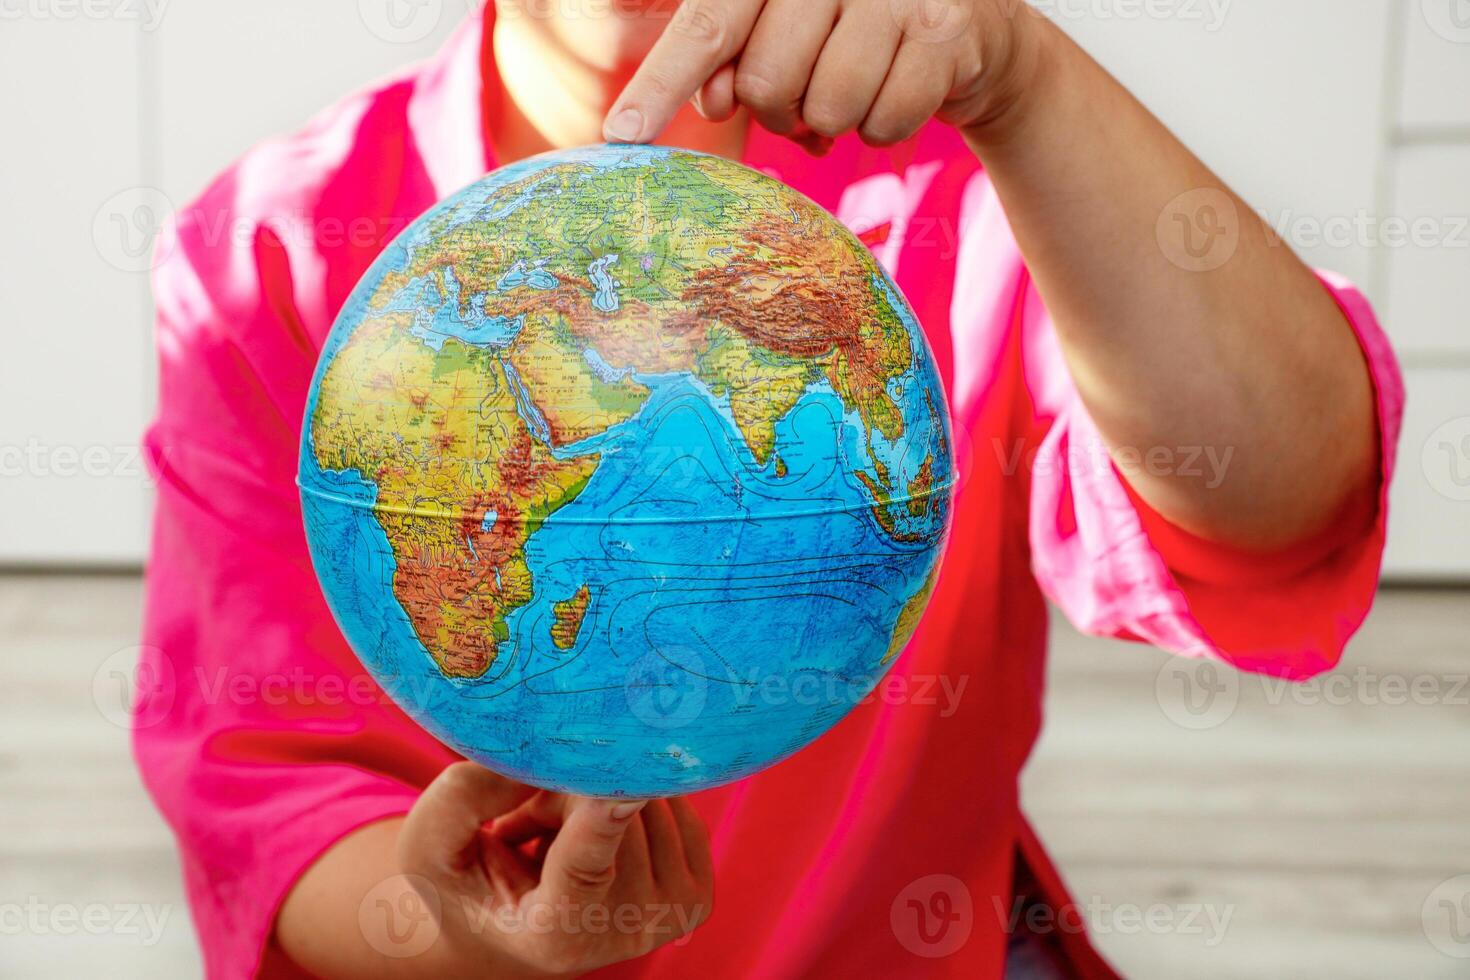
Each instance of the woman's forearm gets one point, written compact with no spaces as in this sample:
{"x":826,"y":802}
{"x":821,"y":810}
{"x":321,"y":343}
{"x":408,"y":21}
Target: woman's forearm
{"x":1185,"y":325}
{"x":352,"y":916}
{"x":451,"y":890}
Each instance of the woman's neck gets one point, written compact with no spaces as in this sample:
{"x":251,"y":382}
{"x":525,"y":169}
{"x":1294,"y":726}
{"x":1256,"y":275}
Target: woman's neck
{"x":550,"y":98}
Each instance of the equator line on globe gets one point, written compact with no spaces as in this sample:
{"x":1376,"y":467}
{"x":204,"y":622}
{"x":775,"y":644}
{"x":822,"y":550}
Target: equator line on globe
{"x":626,"y":471}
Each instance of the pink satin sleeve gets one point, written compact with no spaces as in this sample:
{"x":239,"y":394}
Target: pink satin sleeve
{"x":1118,"y":569}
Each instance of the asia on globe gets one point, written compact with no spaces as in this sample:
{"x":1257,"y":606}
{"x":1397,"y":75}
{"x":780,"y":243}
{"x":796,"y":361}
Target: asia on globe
{"x":626,"y":471}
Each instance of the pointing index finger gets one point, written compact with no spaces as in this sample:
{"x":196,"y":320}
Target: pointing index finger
{"x":700,"y":38}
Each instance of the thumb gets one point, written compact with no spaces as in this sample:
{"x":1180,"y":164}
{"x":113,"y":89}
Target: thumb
{"x":581,"y":862}
{"x":439,"y":837}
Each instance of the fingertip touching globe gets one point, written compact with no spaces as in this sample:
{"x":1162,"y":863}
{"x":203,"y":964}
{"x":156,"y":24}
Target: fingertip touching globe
{"x":626,"y":471}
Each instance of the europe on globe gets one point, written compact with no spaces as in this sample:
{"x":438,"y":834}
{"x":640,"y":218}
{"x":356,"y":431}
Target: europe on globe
{"x":626,"y":471}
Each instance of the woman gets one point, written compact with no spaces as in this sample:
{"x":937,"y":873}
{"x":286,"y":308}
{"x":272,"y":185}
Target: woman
{"x":1167,"y":422}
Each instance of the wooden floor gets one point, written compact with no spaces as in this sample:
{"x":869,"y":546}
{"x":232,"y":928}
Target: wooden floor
{"x":1321,"y":818}
{"x":1211,"y":826}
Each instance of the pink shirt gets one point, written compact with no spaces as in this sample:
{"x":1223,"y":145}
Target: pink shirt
{"x":882,"y":848}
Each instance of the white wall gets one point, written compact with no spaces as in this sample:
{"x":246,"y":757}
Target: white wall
{"x":1338,"y":118}
{"x":75,"y":325}
{"x":114,"y":111}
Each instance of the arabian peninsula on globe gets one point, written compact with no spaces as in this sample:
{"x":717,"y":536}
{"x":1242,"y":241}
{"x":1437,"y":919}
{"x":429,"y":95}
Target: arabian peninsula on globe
{"x":626,"y":471}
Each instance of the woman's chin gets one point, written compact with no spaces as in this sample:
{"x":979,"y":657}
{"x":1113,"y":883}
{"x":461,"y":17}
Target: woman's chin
{"x":610,"y":36}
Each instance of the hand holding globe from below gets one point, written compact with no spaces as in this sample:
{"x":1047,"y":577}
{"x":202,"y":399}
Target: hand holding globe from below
{"x":486,"y":877}
{"x":557,"y":885}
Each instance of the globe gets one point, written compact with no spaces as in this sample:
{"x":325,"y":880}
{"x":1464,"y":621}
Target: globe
{"x":626,"y":471}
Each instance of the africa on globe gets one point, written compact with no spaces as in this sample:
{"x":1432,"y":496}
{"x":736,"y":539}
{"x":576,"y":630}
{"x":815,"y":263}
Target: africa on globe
{"x":626,"y":471}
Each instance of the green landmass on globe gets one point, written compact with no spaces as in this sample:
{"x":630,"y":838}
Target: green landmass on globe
{"x":505,"y":384}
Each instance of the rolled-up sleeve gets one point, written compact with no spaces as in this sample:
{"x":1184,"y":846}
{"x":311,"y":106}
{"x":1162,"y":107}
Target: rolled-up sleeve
{"x":1118,"y":569}
{"x":259,"y":736}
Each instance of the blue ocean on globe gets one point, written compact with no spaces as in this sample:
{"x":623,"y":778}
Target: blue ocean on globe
{"x":626,"y":471}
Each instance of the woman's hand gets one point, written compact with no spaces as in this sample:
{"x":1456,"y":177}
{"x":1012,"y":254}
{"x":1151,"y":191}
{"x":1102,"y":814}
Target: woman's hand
{"x":556,"y":885}
{"x":1240,"y":353}
{"x":816,"y":69}
{"x":489,"y":878}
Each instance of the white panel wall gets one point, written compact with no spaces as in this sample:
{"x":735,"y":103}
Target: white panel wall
{"x":73,"y":359}
{"x":1429,"y":266}
{"x":1436,"y":89}
{"x":1337,"y":118}
{"x":113,"y":112}
{"x":1426,"y":284}
{"x":1431,"y":497}
{"x":232,"y":73}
